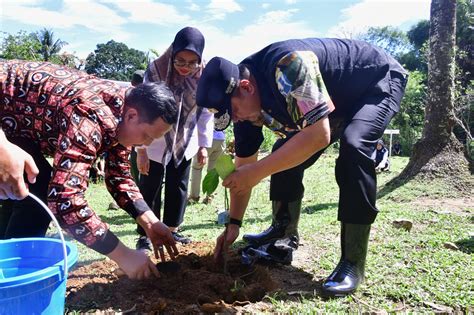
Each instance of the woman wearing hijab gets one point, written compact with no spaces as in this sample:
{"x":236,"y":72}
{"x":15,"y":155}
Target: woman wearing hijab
{"x":169,"y":158}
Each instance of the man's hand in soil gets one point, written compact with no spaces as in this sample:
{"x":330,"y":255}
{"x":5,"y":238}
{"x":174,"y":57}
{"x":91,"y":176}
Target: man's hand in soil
{"x":13,"y":163}
{"x":159,"y":235}
{"x":224,"y":241}
{"x":136,"y":264}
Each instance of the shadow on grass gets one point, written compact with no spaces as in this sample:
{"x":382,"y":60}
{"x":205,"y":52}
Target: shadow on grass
{"x":319,"y":207}
{"x":132,"y":232}
{"x":208,"y":225}
{"x":117,"y":219}
{"x":390,"y":186}
{"x":211,"y":224}
{"x":466,"y":245}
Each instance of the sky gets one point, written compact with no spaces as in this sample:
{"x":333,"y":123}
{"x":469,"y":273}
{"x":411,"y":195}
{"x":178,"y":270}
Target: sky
{"x":233,"y":29}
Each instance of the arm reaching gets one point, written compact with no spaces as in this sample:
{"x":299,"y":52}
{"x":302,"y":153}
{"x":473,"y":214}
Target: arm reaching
{"x":238,"y":205}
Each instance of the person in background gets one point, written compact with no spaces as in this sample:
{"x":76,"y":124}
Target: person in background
{"x":218,"y":147}
{"x":397,"y":148}
{"x":312,"y":92}
{"x":97,"y":173}
{"x":137,"y":78}
{"x":51,"y":110}
{"x":380,"y":157}
{"x":169,"y":159}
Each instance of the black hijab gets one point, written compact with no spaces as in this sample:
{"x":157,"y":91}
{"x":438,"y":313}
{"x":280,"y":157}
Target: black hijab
{"x":189,"y":38}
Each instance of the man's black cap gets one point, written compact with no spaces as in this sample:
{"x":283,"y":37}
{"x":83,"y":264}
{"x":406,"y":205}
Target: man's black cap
{"x":218,"y":80}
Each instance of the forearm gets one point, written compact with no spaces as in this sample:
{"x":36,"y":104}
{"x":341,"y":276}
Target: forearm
{"x":147,"y":219}
{"x":118,"y":253}
{"x":297,"y":150}
{"x":205,"y":128}
{"x":238,"y":204}
{"x":121,"y":185}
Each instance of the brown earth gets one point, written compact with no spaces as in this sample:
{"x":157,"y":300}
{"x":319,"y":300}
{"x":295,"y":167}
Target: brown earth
{"x":199,"y":286}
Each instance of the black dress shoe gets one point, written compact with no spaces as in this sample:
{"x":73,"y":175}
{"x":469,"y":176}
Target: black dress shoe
{"x":344,"y":280}
{"x":180,"y":238}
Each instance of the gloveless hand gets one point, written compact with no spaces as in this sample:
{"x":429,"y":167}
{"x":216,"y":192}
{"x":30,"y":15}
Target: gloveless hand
{"x":224,"y":241}
{"x":136,"y":264}
{"x":143,"y":162}
{"x":202,"y":156}
{"x":242,"y":179}
{"x":160,"y":236}
{"x":13,"y":163}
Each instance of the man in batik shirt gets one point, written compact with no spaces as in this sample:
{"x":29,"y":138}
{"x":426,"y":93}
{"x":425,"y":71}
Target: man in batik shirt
{"x":312,"y":92}
{"x":46,"y":109}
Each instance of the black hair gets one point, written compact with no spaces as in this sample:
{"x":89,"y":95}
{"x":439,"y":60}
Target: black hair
{"x":137,"y":77}
{"x":152,"y":101}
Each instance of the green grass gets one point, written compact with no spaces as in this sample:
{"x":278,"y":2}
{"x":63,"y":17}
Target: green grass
{"x":405,"y":270}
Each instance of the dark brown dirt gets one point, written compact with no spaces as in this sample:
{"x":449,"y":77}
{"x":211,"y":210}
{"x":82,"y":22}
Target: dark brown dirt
{"x":199,"y":285}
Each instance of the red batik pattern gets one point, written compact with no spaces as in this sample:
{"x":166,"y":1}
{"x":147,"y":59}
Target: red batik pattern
{"x":74,"y":117}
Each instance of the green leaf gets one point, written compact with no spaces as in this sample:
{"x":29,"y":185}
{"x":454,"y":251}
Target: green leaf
{"x":224,"y":165}
{"x":210,"y":182}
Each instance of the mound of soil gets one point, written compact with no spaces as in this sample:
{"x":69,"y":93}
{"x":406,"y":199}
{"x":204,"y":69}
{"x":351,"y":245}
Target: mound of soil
{"x":198,"y":285}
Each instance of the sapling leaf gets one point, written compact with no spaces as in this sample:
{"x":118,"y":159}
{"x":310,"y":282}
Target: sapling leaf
{"x":210,"y":182}
{"x":224,"y":165}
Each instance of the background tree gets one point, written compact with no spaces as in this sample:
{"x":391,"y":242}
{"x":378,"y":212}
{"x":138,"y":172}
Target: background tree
{"x":464,"y":113}
{"x":410,"y":119}
{"x":391,"y":39}
{"x":69,"y":60}
{"x":417,"y":57}
{"x":49,"y":46}
{"x":115,"y":61}
{"x":438,"y":154}
{"x":21,"y":45}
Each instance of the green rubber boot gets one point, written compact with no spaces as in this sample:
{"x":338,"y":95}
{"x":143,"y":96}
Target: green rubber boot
{"x":285,"y":218}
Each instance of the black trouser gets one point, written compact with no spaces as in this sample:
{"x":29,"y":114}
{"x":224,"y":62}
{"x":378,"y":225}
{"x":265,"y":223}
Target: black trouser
{"x":176,"y":191}
{"x":25,"y":218}
{"x":355,"y":170}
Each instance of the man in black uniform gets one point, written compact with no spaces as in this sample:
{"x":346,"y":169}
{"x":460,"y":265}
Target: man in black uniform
{"x":312,"y":92}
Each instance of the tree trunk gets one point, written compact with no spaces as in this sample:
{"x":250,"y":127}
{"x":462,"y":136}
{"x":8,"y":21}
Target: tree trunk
{"x":438,"y":153}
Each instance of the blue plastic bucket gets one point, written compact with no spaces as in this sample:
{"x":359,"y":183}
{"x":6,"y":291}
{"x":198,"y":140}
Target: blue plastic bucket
{"x":33,"y":274}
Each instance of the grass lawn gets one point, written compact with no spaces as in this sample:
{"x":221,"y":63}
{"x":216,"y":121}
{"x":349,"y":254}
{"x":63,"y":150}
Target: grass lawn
{"x":406,"y":271}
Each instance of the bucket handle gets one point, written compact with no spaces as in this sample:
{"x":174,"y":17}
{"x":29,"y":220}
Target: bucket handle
{"x":50,"y":213}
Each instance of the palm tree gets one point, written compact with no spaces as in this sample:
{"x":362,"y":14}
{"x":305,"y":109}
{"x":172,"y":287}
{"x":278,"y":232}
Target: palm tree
{"x":49,"y":47}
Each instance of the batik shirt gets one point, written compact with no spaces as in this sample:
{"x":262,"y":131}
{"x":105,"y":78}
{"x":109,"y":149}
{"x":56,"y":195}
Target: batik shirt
{"x":299,"y":80}
{"x":73,"y":117}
